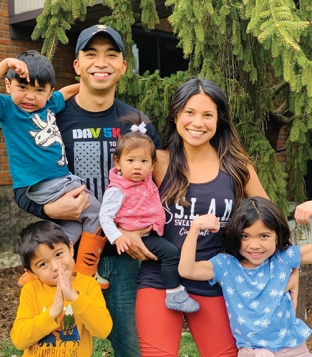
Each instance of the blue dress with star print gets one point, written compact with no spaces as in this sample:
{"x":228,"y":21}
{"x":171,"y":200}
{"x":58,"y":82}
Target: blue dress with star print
{"x":260,"y":311}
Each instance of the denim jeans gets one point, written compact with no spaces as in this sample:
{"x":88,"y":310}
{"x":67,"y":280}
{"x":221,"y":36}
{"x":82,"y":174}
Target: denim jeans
{"x":121,"y":272}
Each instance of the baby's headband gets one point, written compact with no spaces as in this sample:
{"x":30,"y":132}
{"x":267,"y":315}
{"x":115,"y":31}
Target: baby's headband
{"x":140,"y":128}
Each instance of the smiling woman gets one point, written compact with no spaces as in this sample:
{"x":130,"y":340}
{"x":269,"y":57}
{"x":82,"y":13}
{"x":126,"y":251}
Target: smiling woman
{"x":202,"y":168}
{"x":197,"y":122}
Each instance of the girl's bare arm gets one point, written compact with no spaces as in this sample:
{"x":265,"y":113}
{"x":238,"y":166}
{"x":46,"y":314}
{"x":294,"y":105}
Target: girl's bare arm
{"x":188,"y":267}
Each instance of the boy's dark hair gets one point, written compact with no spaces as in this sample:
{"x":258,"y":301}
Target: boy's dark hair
{"x":41,"y":232}
{"x":39,"y":67}
{"x":248,"y":212}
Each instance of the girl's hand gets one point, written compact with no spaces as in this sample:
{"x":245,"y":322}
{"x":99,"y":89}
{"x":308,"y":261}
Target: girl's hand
{"x":206,"y":222}
{"x":65,"y":285}
{"x":122,"y":243}
{"x":293,"y":287}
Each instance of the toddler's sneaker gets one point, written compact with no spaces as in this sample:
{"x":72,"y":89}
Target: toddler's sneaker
{"x":181,"y":301}
{"x":104,"y":284}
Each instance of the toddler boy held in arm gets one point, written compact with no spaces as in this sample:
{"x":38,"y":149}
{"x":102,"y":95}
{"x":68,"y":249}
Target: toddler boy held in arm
{"x":36,"y":151}
{"x":60,"y":311}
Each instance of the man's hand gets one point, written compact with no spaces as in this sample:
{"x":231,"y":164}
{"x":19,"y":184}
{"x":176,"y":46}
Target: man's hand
{"x":303,"y":212}
{"x":69,"y":206}
{"x":137,"y":249}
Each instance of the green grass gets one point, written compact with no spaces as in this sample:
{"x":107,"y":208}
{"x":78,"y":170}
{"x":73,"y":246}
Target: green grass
{"x":102,"y":348}
{"x":8,"y":350}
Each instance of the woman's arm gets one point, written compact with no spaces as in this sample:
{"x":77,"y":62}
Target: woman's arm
{"x":253,"y":186}
{"x":160,"y":167}
{"x":188,"y":267}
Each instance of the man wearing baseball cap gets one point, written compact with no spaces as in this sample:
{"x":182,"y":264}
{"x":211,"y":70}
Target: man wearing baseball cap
{"x":87,"y":34}
{"x":90,"y":128}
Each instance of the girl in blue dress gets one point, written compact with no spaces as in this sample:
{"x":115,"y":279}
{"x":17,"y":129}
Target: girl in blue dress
{"x":253,"y":273}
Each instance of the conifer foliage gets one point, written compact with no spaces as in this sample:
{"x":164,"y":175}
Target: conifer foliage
{"x":258,"y":51}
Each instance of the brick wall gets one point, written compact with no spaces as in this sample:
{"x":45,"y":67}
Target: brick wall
{"x":12,"y":219}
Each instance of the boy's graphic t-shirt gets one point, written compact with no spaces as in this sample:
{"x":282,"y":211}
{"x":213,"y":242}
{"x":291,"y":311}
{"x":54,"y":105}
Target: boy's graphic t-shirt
{"x":261,"y":313}
{"x":90,"y":140}
{"x":35,"y":147}
{"x":65,"y":334}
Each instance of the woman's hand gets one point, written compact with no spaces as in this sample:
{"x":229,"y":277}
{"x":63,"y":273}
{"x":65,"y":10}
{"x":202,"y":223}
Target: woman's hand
{"x":137,"y":249}
{"x":293,"y":287}
{"x":69,"y":206}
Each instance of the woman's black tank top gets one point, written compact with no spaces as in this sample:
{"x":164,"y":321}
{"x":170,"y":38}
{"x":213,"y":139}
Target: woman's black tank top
{"x":217,"y":197}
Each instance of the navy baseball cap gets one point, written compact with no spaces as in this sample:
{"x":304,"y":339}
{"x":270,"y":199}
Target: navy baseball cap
{"x":87,"y":34}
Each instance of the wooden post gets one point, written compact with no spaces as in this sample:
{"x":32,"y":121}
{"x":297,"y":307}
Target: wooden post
{"x":301,"y":307}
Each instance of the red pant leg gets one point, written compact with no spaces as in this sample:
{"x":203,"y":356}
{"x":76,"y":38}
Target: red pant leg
{"x":210,"y":328}
{"x":159,"y":329}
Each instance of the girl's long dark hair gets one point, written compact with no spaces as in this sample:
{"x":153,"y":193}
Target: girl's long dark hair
{"x":248,"y":212}
{"x":232,"y":156}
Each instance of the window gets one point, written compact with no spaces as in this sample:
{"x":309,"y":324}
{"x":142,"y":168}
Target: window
{"x":158,"y":50}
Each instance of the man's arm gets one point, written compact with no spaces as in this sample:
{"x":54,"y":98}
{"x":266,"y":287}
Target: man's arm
{"x":26,"y":204}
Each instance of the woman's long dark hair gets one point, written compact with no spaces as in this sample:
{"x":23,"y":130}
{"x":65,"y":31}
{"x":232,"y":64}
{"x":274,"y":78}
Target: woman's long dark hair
{"x":248,"y":212}
{"x":232,"y":156}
